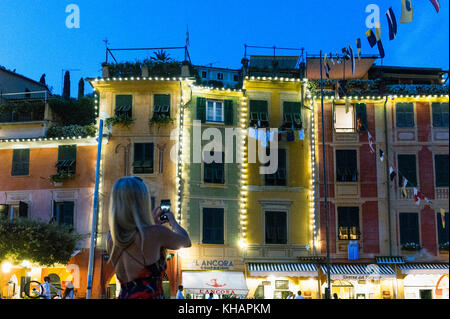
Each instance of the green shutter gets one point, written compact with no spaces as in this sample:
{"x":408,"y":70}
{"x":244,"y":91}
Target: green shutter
{"x":441,"y":170}
{"x":440,"y":114}
{"x":67,"y":213}
{"x":201,"y":109}
{"x":361,"y":113}
{"x":405,"y":114}
{"x":409,"y":228}
{"x":23,"y":210}
{"x":124,"y":102}
{"x":407,"y":167}
{"x":20,"y":163}
{"x":161,"y":100}
{"x":228,"y":112}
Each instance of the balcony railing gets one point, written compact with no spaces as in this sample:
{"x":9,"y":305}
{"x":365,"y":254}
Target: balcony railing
{"x":441,"y":192}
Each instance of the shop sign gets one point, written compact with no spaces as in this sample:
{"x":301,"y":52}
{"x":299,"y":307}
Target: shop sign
{"x":213,"y":264}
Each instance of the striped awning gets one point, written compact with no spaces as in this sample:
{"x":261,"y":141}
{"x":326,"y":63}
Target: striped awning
{"x":282,"y":270}
{"x":424,"y":269}
{"x":390,"y":260}
{"x":359,"y":271}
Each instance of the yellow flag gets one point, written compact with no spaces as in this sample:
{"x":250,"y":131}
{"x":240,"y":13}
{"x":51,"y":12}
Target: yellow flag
{"x":407,"y":11}
{"x":347,"y":105}
{"x":443,"y":217}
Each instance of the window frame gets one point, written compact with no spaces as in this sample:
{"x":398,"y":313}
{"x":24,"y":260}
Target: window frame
{"x":356,"y":232}
{"x":355,"y":175}
{"x":65,"y":162}
{"x":440,"y":231}
{"x":158,"y":110}
{"x":23,"y":161}
{"x":353,"y":116}
{"x":439,"y":175}
{"x":143,"y":167}
{"x":120,"y":112}
{"x":413,"y":181}
{"x":403,"y":113}
{"x":286,"y":227}
{"x":441,"y":123}
{"x":409,"y":230}
{"x":209,"y":241}
{"x":214,"y":120}
{"x":213,"y":167}
{"x":275,"y":177}
{"x":57,"y":217}
{"x":257,"y":114}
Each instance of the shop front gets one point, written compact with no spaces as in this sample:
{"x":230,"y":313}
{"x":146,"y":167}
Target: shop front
{"x":360,"y":281}
{"x":275,"y":281}
{"x":425,"y":281}
{"x":222,"y":284}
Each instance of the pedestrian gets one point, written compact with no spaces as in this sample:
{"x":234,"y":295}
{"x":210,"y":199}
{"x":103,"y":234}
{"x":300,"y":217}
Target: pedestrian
{"x":299,"y":296}
{"x":290,"y":296}
{"x":68,"y":292}
{"x":180,"y":292}
{"x":138,"y":240}
{"x":335,"y":296}
{"x":211,"y":295}
{"x":46,"y":288}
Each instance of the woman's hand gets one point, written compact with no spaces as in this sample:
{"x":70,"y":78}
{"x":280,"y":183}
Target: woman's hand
{"x":156,"y":215}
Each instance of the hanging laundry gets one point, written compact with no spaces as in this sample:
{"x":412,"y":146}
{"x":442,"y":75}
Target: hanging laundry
{"x":345,"y":53}
{"x":407,"y":12}
{"x":332,"y":59}
{"x":371,"y":38}
{"x":353,"y":250}
{"x":381,"y":155}
{"x":338,"y":58}
{"x":269,"y":136}
{"x":253,"y":132}
{"x":443,"y":217}
{"x":290,"y":136}
{"x":301,"y":134}
{"x":358,"y":48}
{"x":370,"y":142}
{"x":436,"y":5}
{"x":352,"y":57}
{"x":262,"y":137}
{"x":392,"y":22}
{"x":392,"y":173}
{"x":404,"y":183}
{"x":327,"y":66}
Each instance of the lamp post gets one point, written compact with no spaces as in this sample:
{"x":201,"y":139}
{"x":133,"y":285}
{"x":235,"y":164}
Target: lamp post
{"x":327,"y":293}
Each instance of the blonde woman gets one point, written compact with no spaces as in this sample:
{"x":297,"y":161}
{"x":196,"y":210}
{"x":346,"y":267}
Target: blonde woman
{"x":138,"y":240}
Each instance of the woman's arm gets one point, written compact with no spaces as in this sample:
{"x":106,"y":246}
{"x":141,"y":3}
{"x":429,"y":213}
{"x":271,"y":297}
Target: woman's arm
{"x":175,"y":238}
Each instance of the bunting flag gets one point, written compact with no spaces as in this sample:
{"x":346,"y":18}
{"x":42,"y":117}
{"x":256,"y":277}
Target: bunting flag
{"x":407,"y":12}
{"x":428,"y":200}
{"x":327,"y":66}
{"x":358,"y":124}
{"x":358,"y":48}
{"x":378,"y":38}
{"x":332,"y":59}
{"x":392,"y":22}
{"x":443,"y":217}
{"x":352,"y":57}
{"x":338,"y":59}
{"x":416,"y":196}
{"x":345,"y":54}
{"x":381,"y":155}
{"x":370,"y":142}
{"x":347,"y":105}
{"x":404,"y":183}
{"x":371,"y":38}
{"x":392,"y":173}
{"x":301,"y":134}
{"x":381,"y":49}
{"x":436,"y":5}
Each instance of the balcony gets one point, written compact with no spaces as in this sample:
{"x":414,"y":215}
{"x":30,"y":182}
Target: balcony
{"x":409,"y":194}
{"x":19,"y":111}
{"x":441,"y":193}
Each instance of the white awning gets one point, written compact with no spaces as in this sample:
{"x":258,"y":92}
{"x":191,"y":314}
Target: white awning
{"x":282,"y":270}
{"x":217,"y":282}
{"x":424,"y":269}
{"x":359,"y":272}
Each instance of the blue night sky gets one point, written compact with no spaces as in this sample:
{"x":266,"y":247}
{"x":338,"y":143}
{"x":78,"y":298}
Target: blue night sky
{"x":34,"y":38}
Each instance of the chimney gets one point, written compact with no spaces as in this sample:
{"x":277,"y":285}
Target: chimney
{"x":105,"y":70}
{"x":185,"y":69}
{"x":144,"y":71}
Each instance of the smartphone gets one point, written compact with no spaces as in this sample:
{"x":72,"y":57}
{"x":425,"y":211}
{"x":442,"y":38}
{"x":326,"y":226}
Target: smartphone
{"x":165,"y":207}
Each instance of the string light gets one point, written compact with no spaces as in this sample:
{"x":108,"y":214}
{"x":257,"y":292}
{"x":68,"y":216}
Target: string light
{"x":243,"y":181}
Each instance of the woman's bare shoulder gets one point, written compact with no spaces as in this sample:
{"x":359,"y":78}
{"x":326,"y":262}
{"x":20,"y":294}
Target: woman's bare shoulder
{"x":153,"y":230}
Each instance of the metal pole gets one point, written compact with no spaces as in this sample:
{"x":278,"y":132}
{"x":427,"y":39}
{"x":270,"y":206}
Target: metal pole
{"x":388,"y":192}
{"x":94,"y":212}
{"x":327,"y":295}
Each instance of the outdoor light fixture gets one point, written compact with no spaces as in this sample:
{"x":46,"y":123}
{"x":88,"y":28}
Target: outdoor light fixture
{"x":6,"y":267}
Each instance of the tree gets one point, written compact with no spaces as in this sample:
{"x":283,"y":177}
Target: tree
{"x":80,"y":88}
{"x":66,"y":89}
{"x":42,"y":80}
{"x":161,"y":56}
{"x":36,"y":241}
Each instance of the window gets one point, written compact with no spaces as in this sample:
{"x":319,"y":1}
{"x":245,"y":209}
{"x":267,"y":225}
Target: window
{"x":204,"y":74}
{"x":361,"y":116}
{"x":236,"y":78}
{"x":21,"y":162}
{"x":214,"y":111}
{"x":441,"y":170}
{"x":344,"y":118}
{"x":219,"y":76}
{"x":63,"y":213}
{"x":11,"y":211}
{"x":214,"y":173}
{"x":443,"y":233}
{"x":276,"y":227}
{"x":292,"y":115}
{"x":440,"y":114}
{"x":213,"y":226}
{"x":67,"y":158}
{"x":346,"y":166}
{"x":143,"y":158}
{"x":348,"y":223}
{"x":161,"y":105}
{"x":407,"y":167}
{"x":405,"y":114}
{"x":124,"y":106}
{"x":409,"y":228}
{"x":278,"y":178}
{"x":259,"y":113}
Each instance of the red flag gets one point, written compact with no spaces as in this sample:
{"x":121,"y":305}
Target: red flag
{"x":436,"y":5}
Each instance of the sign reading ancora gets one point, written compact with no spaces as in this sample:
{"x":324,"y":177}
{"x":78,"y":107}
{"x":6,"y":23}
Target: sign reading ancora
{"x":213,"y":264}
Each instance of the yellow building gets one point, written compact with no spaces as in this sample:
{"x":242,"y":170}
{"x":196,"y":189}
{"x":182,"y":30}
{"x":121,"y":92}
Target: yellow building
{"x":278,"y":209}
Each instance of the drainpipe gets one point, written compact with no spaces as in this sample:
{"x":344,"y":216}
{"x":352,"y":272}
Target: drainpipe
{"x":388,"y":193}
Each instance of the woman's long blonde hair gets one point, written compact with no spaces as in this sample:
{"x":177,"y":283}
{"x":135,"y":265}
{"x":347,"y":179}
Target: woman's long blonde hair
{"x":130,"y":211}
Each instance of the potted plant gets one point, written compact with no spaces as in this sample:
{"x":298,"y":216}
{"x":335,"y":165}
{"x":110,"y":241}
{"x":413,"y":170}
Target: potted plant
{"x":411,"y":246}
{"x":58,"y":178}
{"x":160,"y":120}
{"x":443,"y":246}
{"x":122,"y":120}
